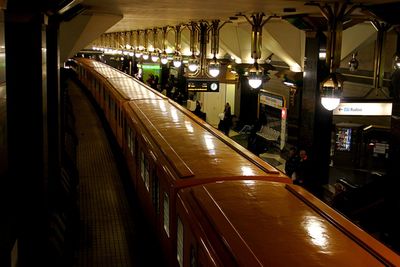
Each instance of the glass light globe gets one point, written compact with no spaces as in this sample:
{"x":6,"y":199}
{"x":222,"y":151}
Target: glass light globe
{"x":255,"y":76}
{"x":154,"y":56}
{"x":213,"y":68}
{"x":138,"y":53}
{"x":255,"y":82}
{"x":331,"y":91}
{"x":330,"y":103}
{"x":193,"y":65}
{"x":177,"y":61}
{"x":145,"y":55}
{"x":164,"y":57}
{"x":396,"y":64}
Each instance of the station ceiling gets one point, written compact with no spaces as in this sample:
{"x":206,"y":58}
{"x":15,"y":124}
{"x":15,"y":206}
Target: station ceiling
{"x":85,"y":20}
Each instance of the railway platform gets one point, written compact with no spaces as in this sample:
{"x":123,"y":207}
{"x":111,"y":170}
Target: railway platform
{"x":112,"y":228}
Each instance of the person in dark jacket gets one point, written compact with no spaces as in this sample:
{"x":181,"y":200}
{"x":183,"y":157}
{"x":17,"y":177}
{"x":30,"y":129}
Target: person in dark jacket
{"x":227,"y":121}
{"x":292,"y":163}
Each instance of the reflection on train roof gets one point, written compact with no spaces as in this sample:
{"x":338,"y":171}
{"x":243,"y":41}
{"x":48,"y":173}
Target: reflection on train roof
{"x":203,"y":152}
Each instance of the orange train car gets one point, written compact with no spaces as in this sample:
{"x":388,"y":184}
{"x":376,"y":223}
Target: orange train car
{"x":167,"y":148}
{"x":259,"y":223}
{"x":170,"y":148}
{"x":111,"y":88}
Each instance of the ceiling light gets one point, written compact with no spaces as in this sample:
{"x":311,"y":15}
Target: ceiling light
{"x":177,"y":60}
{"x":193,"y":64}
{"x":255,"y":76}
{"x":213,"y":67}
{"x":164,"y":58}
{"x":331,"y":91}
{"x":353,"y":63}
{"x":154,"y":56}
{"x":145,"y":55}
{"x":396,"y":64}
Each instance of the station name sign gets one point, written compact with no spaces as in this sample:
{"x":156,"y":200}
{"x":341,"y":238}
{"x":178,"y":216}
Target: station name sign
{"x":364,"y":109}
{"x":202,"y":85}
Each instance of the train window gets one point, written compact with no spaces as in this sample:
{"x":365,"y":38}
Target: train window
{"x":155,"y":192}
{"x":145,"y":170}
{"x":133,"y":143}
{"x":193,"y":256}
{"x":116,"y":113}
{"x":166,"y":213}
{"x":128,"y":135}
{"x":179,"y":242}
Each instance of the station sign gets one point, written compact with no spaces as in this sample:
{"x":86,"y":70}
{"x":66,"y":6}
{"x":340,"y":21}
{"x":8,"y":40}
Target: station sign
{"x":202,"y":85}
{"x":272,"y":100}
{"x":364,"y":109}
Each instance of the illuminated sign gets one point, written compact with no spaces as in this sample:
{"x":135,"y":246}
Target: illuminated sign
{"x":202,"y":85}
{"x":271,"y":100}
{"x":364,"y":109}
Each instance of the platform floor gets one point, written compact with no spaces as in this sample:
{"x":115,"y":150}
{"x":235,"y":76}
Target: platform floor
{"x":113,"y":231}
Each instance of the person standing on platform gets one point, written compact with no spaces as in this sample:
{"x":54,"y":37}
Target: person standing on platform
{"x":292,"y":163}
{"x":303,"y":172}
{"x":227,"y":121}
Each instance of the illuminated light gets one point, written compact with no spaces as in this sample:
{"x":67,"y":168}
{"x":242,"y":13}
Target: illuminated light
{"x":396,"y":63}
{"x":138,"y":53}
{"x":295,"y":68}
{"x":322,"y":54}
{"x":193,"y":65}
{"x":145,"y":55}
{"x":164,"y":58}
{"x":290,"y":84}
{"x":283,"y":114}
{"x":154,"y":56}
{"x":316,"y":232}
{"x":353,"y":63}
{"x":255,"y":82}
{"x":168,"y":50}
{"x":330,"y":103}
{"x":177,"y":64}
{"x":213,"y":68}
{"x":128,"y":46}
{"x":255,"y":76}
{"x":151,"y":66}
{"x":189,"y":126}
{"x":331,"y":91}
{"x":131,"y":54}
{"x":177,"y":60}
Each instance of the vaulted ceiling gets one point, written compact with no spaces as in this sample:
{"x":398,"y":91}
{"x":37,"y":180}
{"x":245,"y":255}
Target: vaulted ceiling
{"x":284,"y":36}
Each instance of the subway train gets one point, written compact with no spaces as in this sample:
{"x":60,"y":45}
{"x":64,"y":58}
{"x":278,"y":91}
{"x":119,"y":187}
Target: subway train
{"x":210,"y":201}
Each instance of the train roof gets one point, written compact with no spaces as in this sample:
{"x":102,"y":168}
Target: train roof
{"x":131,"y":89}
{"x":194,"y":148}
{"x":273,"y":224}
{"x":127,"y":87}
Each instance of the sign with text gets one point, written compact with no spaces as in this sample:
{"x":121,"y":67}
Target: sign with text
{"x":364,"y":109}
{"x":272,"y":100}
{"x":202,"y":85}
